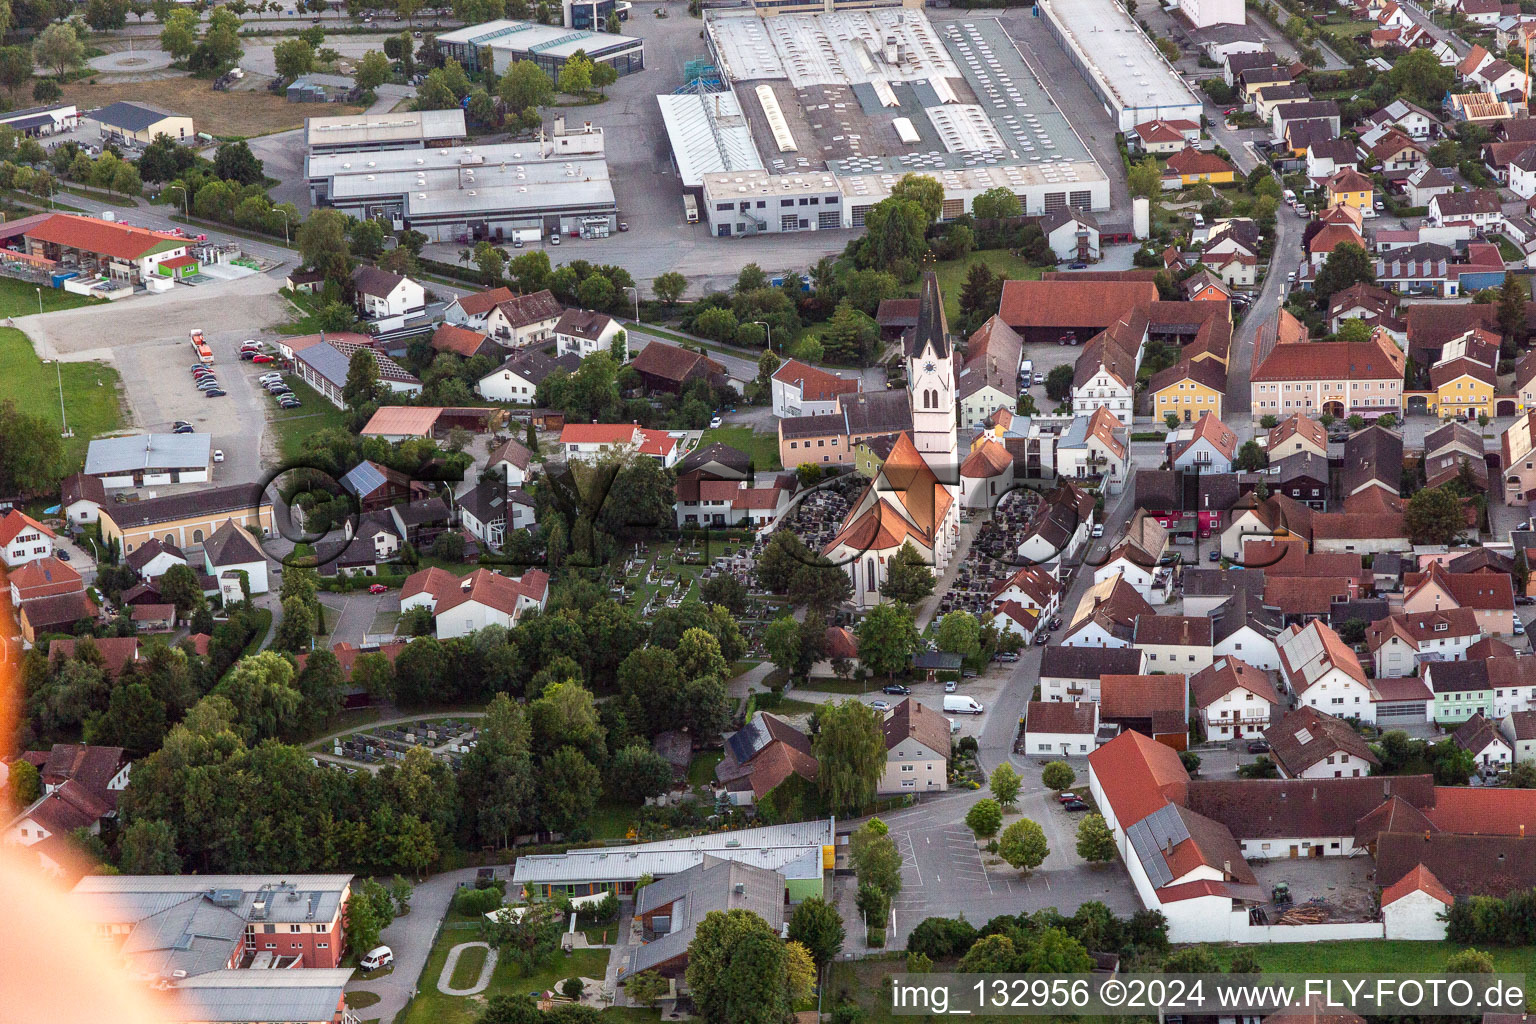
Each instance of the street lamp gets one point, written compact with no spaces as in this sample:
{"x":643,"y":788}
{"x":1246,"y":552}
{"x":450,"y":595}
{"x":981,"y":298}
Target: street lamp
{"x":184,"y":212}
{"x":278,"y":209}
{"x":636,"y":291}
{"x":765,"y":326}
{"x":58,"y":372}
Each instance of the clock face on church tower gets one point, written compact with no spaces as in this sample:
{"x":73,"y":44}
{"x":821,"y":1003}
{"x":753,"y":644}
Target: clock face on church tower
{"x":928,"y":367}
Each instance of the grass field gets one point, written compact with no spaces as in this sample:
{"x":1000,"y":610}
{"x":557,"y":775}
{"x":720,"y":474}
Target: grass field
{"x":221,"y":114}
{"x":762,"y":448}
{"x":292,"y":426}
{"x":952,"y":274}
{"x":433,"y":1007}
{"x":702,"y":771}
{"x":17,"y":298}
{"x":91,"y":397}
{"x":1371,"y":956}
{"x":467,"y":970}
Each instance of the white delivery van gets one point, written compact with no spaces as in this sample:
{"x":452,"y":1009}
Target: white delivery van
{"x":1026,"y":369}
{"x":960,"y":704}
{"x":377,"y":957}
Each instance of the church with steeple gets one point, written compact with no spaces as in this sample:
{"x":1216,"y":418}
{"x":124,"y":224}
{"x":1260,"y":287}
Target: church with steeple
{"x":915,"y":496}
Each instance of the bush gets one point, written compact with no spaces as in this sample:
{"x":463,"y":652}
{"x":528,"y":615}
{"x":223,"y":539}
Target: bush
{"x":601,"y":912}
{"x":939,"y":938}
{"x":572,"y":988}
{"x":874,"y":937}
{"x":475,"y":902}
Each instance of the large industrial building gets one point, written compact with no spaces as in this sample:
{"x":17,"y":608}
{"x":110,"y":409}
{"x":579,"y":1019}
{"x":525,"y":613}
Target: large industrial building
{"x":556,"y":183}
{"x":406,"y":129}
{"x":820,"y":115}
{"x":1206,"y":13}
{"x":1125,"y":70}
{"x":548,"y":46}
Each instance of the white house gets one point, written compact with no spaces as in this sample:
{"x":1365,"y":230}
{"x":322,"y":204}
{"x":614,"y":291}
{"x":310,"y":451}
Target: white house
{"x":1400,"y":644}
{"x":483,"y":598}
{"x":231,"y":549}
{"x":1519,"y":729}
{"x":517,"y":379}
{"x":1095,"y":445}
{"x":1174,"y":643}
{"x":152,"y":558}
{"x":1032,"y":588}
{"x":1323,"y":672}
{"x":1429,"y":181}
{"x":799,"y":389}
{"x":1480,"y":737}
{"x":1211,"y":447}
{"x":1233,"y":698}
{"x":1308,"y":744}
{"x":1522,"y":173}
{"x":1061,"y":729}
{"x":594,"y":442}
{"x":729,"y":503}
{"x":1073,"y":673}
{"x":81,"y":498}
{"x":513,"y":460}
{"x":1481,"y":207}
{"x":1072,"y":234}
{"x":524,"y":319}
{"x":382,"y":295}
{"x":483,"y":512}
{"x":1413,"y":907}
{"x":471,"y":310}
{"x":917,"y":741}
{"x":581,"y":332}
{"x":23,"y":539}
{"x":1244,"y":627}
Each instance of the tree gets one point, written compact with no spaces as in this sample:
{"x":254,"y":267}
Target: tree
{"x":46,"y":90}
{"x":31,"y":454}
{"x":922,"y":189}
{"x":874,"y":856}
{"x":261,"y":690}
{"x":525,"y":86}
{"x":106,"y":15}
{"x":1348,"y":264}
{"x":15,"y":68}
{"x":25,"y":783}
{"x":58,"y":47}
{"x":1058,"y":775}
{"x":1145,"y":178}
{"x":644,"y":988}
{"x":738,"y":969}
{"x":996,"y":204}
{"x":980,"y":294}
{"x":1434,"y":516}
{"x":1512,"y":307}
{"x":1095,"y":842}
{"x":887,"y":637}
{"x":134,"y":719}
{"x":178,"y":36}
{"x":1056,"y":952}
{"x":984,"y":818}
{"x":1250,"y":457}
{"x":638,"y":773}
{"x":908,"y":579}
{"x":322,"y":241}
{"x":1418,"y":76}
{"x":179,"y":586}
{"x":362,"y":923}
{"x":851,"y":336}
{"x":1023,"y":845}
{"x":576,"y":75}
{"x":992,"y":954}
{"x":1469,"y":961}
{"x":293,"y":57}
{"x":1192,"y":960}
{"x":603,"y":75}
{"x":669,"y":286}
{"x":1058,"y":383}
{"x":850,"y":747}
{"x":818,"y":927}
{"x":1005,"y":784}
{"x":894,"y":232}
{"x":1354,"y":329}
{"x":362,"y":385}
{"x":372,"y":70}
{"x":528,"y":940}
{"x":958,"y":633}
{"x":148,"y":847}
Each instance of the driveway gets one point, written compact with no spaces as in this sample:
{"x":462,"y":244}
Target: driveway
{"x":410,"y":937}
{"x":351,"y":615}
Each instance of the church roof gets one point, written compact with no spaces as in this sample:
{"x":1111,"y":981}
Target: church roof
{"x":906,"y":499}
{"x":931,"y":326}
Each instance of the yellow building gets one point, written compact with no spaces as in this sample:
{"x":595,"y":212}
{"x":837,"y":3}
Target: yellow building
{"x":1193,"y":167}
{"x":1188,"y":390}
{"x":1461,"y":387}
{"x":185,"y":520}
{"x":1348,"y":187}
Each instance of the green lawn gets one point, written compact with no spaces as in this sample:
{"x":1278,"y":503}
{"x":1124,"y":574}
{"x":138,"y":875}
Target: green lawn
{"x":294,"y":425}
{"x":18,"y":298}
{"x":91,"y":398}
{"x":952,"y":274}
{"x":763,"y":448}
{"x":702,"y":771}
{"x":1373,"y":955}
{"x":466,"y":971}
{"x":433,"y":1007}
{"x":611,"y":821}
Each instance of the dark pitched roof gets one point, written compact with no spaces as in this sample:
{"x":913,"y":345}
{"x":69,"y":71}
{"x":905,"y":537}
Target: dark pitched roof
{"x":231,"y":545}
{"x":1245,"y":608}
{"x":1089,"y":662}
{"x":670,"y":362}
{"x":1073,"y":718}
{"x":523,"y":310}
{"x":532,"y":365}
{"x":145,"y":553}
{"x":931,"y":328}
{"x":1467,"y":865}
{"x":130,"y":117}
{"x":1200,"y":581}
{"x":876,"y":412}
{"x":909,"y":719}
{"x":724,"y":454}
{"x":1286,"y":808}
{"x":373,"y":281}
{"x":1308,"y":465}
{"x":1306,"y":736}
{"x":583,"y":323}
{"x":1372,"y":455}
{"x":80,"y":487}
{"x":897,"y":312}
{"x":180,"y":506}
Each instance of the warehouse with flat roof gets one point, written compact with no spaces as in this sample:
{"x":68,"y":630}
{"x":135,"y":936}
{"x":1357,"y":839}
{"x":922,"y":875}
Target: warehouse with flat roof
{"x":405,"y":129}
{"x":821,"y":115}
{"x":548,"y":46}
{"x":1126,"y":71}
{"x":140,"y":460}
{"x":556,"y":183}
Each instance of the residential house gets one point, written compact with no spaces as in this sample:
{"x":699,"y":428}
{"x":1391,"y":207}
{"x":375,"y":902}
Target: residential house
{"x":1106,"y":615}
{"x":1327,"y":156}
{"x":524,"y":319}
{"x":1196,"y":167}
{"x":1061,"y":729}
{"x":1206,"y":286}
{"x":595,"y":442}
{"x":1152,"y":705}
{"x":762,"y":755}
{"x":1033,"y":589}
{"x":1308,"y":744}
{"x":512,"y":460}
{"x":1490,"y":595}
{"x":1348,"y":187}
{"x":1401,"y":644}
{"x":1340,"y":378}
{"x":81,"y":498}
{"x":1373,"y":458}
{"x":1409,"y":118}
{"x":375,"y":486}
{"x":1323,"y":673}
{"x":916,"y":750}
{"x":1060,"y":526}
{"x":1233,"y":699}
{"x":581,"y":333}
{"x":1480,"y":207}
{"x":1187,"y":390}
{"x":462,"y":341}
{"x":1104,"y":375}
{"x":1393,"y":151}
{"x":1462,"y":388}
{"x":989,"y":380}
{"x":1211,"y":447}
{"x":471,"y":310}
{"x":324,"y":366}
{"x":23,"y":539}
{"x":1294,"y":435}
{"x":706,"y":502}
{"x":1517,"y":456}
{"x":1434,"y":325}
{"x":518,"y":378}
{"x":382,"y":295}
{"x":57,"y":614}
{"x":1163,"y":137}
{"x":799,"y":389}
{"x":153,"y":558}
{"x":1461,"y":689}
{"x":1425,"y":183}
{"x":1072,"y":673}
{"x":1378,"y":532}
{"x":1519,"y":730}
{"x":483,"y":512}
{"x":1095,"y":446}
{"x":1246,"y":628}
{"x":1175,"y":643}
{"x":460,"y":606}
{"x":1376,"y":306}
{"x":80,"y":789}
{"x":1480,"y":737}
{"x":43,"y":577}
{"x":1073,"y":233}
{"x":232,"y":550}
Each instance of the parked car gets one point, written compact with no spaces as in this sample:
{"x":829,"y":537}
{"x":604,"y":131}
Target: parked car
{"x":896,"y":688}
{"x":1519,"y":629}
{"x":261,"y":357}
{"x":880,"y":705}
{"x":378,"y":588}
{"x":1008,"y":656}
{"x":380,"y":956}
{"x":1066,"y":796}
{"x":1098,"y":530}
{"x":215,"y":393}
{"x":1079,"y":265}
{"x":1039,"y":379}
{"x":247,"y":354}
{"x":714,"y":422}
{"x":949,"y":686}
{"x":181,"y":423}
{"x":218,"y":455}
{"x":554,"y":239}
{"x":1075,"y":805}
{"x":1258,"y":747}
{"x":1042,"y":639}
{"x":185,"y":428}
{"x":1056,"y":623}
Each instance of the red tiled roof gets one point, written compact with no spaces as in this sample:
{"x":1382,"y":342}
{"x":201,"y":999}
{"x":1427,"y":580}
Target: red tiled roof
{"x":88,"y":234}
{"x":1467,"y":811}
{"x":1160,"y":698}
{"x":1196,"y":161}
{"x":1332,"y":360}
{"x":598,"y":433}
{"x":15,"y":521}
{"x":909,"y":719}
{"x":483,"y":302}
{"x":816,"y":385}
{"x":1420,"y":879}
{"x":116,"y":651}
{"x":462,"y":340}
{"x":1071,"y":304}
{"x":1478,"y":590}
{"x":989,"y":459}
{"x":1226,"y":674}
{"x":1138,"y":775}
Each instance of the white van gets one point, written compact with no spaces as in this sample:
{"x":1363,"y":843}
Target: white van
{"x":960,"y":704}
{"x":1026,"y":369}
{"x":1199,"y":220}
{"x":377,"y":957}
